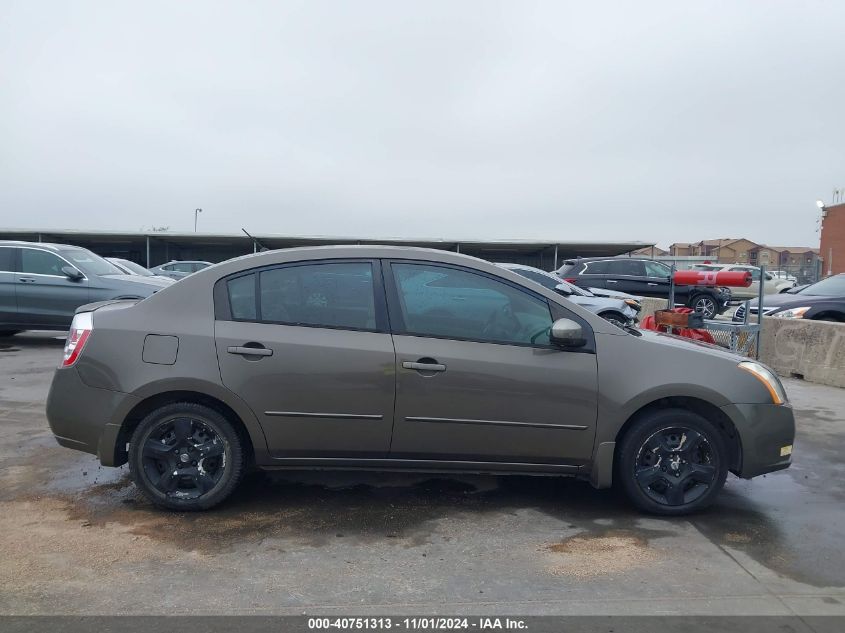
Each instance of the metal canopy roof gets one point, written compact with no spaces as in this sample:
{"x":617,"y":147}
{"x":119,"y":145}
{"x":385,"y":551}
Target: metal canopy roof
{"x":106,"y":239}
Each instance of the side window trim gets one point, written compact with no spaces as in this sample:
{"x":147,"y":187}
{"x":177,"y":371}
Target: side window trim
{"x":396,"y":309}
{"x":223,"y":309}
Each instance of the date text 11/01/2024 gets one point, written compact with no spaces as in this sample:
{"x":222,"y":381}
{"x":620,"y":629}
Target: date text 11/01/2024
{"x":420,"y":623}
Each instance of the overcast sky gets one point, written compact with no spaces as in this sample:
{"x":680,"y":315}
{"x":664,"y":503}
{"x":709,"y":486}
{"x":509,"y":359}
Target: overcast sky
{"x":671,"y":121}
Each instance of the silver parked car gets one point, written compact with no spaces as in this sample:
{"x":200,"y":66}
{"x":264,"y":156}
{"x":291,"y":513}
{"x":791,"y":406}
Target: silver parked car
{"x":179,"y":269}
{"x":376,"y":357}
{"x":42,"y":285}
{"x":128,"y":267}
{"x":620,"y":312}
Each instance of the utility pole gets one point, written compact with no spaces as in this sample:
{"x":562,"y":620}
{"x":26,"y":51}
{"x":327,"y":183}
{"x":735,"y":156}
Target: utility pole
{"x":196,"y":213}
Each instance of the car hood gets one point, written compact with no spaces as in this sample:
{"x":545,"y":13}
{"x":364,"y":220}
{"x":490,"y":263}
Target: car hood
{"x":155,"y":282}
{"x":786,"y":301}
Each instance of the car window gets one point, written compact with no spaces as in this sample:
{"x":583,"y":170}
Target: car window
{"x":540,"y":278}
{"x":7,"y":255}
{"x":91,"y":263}
{"x":454,"y":303}
{"x":198,"y":266}
{"x":655,"y":269}
{"x":37,"y":262}
{"x":135,"y":268}
{"x":327,"y":294}
{"x":830,"y":287}
{"x":626,"y":267}
{"x":596,"y":268}
{"x":242,"y":297}
{"x":181,"y":267}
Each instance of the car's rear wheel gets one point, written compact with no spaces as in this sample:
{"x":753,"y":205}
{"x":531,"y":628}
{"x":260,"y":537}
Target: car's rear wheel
{"x":672,"y":462}
{"x":705,"y":304}
{"x":186,"y":456}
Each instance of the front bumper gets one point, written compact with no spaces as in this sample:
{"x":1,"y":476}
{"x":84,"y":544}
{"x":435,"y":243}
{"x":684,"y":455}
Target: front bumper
{"x":765,"y":430}
{"x":86,"y":418}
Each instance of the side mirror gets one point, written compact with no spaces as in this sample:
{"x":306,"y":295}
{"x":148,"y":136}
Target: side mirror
{"x":563,"y":290}
{"x":769,"y":277}
{"x":567,"y":333}
{"x":72,"y":273}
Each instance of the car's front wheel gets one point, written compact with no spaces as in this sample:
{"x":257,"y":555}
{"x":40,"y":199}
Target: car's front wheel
{"x":672,"y":462}
{"x":705,"y":304}
{"x":186,"y":456}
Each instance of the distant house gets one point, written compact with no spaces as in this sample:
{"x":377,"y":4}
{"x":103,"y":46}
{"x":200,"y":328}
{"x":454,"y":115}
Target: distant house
{"x":680,"y":249}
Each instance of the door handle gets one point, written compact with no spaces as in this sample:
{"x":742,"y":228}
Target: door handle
{"x":246,"y":350}
{"x":26,"y":280}
{"x":650,"y":283}
{"x":612,"y":281}
{"x":424,"y":366}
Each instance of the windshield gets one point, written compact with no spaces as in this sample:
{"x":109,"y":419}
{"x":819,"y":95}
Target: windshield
{"x":830,"y":287}
{"x":135,"y":268}
{"x":91,"y":264}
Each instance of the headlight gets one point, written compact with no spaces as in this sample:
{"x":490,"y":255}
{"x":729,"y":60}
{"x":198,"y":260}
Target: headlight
{"x":792,"y":313}
{"x":634,"y":304}
{"x":769,"y":380}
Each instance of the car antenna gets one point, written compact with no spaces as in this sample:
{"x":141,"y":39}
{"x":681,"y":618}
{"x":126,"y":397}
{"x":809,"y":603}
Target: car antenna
{"x":255,"y":241}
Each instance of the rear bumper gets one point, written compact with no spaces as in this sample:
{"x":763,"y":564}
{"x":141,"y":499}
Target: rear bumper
{"x":86,"y":418}
{"x":764,"y":432}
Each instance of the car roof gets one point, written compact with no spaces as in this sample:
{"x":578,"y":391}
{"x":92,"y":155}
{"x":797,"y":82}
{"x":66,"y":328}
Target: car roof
{"x":47,"y":246}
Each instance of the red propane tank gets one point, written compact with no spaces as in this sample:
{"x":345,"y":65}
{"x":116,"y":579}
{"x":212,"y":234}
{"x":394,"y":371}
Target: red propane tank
{"x":732,"y":279}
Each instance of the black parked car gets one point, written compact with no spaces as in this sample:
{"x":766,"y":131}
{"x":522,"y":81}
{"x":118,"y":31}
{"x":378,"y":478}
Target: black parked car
{"x":643,"y":277}
{"x":821,"y":301}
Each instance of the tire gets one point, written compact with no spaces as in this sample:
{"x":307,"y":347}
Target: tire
{"x":199,"y":444}
{"x":672,"y":462}
{"x":9,"y":332}
{"x":705,"y":304}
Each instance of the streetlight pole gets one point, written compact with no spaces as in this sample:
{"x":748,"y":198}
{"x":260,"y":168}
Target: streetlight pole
{"x":196,"y":212}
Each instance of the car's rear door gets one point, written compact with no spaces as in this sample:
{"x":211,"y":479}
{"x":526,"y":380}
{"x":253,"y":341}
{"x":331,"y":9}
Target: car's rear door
{"x":46,"y":297}
{"x":592,"y":274}
{"x":307,"y":346}
{"x":476,"y":376}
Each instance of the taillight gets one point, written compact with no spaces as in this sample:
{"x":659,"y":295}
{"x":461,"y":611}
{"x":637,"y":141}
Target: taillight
{"x":571,"y":280}
{"x":80,"y":330}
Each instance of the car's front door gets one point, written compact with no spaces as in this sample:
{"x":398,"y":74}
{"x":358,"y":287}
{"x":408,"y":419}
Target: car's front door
{"x":476,"y":376}
{"x":47,"y":297}
{"x":307,"y":346}
{"x":657,"y":280}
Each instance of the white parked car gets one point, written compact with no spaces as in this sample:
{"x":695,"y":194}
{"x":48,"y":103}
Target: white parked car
{"x":772,"y":285}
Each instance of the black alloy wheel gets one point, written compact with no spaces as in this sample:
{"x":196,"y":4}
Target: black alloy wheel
{"x":672,"y":462}
{"x":705,"y":304}
{"x":186,"y":456}
{"x":675,"y":466}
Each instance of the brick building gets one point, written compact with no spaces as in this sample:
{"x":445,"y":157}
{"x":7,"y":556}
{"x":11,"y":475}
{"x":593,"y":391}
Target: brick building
{"x":832,"y":247}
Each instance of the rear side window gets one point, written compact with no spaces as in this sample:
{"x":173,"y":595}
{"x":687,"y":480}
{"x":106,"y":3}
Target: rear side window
{"x":198,"y":266}
{"x":596,"y":268}
{"x":328,"y":295}
{"x":6,"y":259}
{"x":626,"y":267}
{"x":242,"y":297}
{"x":181,"y":267}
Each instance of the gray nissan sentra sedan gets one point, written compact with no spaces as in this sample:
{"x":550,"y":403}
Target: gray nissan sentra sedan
{"x":403,"y":358}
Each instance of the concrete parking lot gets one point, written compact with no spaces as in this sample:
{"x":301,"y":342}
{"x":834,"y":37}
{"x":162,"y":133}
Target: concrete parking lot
{"x":76,"y":538}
